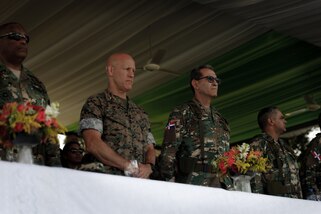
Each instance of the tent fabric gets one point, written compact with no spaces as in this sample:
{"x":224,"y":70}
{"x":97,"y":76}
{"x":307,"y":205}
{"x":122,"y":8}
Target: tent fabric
{"x":270,"y":70}
{"x":71,"y":39}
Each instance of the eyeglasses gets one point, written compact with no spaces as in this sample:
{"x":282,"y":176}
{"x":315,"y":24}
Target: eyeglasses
{"x":75,"y":151}
{"x":211,"y":79}
{"x":15,"y":36}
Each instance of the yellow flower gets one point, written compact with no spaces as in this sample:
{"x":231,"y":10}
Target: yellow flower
{"x":240,"y":160}
{"x":16,"y":118}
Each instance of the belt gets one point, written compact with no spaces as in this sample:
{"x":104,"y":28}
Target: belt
{"x":200,"y":167}
{"x":276,"y":187}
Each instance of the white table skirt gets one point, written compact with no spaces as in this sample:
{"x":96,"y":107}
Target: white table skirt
{"x":44,"y":190}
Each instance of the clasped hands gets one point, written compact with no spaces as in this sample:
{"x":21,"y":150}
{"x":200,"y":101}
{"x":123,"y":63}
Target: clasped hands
{"x":133,"y":169}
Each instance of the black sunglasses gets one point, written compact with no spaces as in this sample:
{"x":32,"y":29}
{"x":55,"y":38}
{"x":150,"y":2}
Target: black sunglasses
{"x":211,"y":79}
{"x":75,"y":151}
{"x":15,"y":36}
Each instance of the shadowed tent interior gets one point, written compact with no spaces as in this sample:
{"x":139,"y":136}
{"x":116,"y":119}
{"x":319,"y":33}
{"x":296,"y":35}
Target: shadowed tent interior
{"x":267,"y":52}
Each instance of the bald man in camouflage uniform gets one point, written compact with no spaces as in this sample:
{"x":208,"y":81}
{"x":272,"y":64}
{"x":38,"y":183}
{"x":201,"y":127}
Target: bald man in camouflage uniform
{"x":18,"y":84}
{"x":116,"y":131}
{"x":311,"y":168}
{"x":195,"y":135}
{"x":283,"y":177}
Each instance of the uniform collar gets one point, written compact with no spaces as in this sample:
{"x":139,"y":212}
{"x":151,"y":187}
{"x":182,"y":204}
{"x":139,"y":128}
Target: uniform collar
{"x":116,"y":99}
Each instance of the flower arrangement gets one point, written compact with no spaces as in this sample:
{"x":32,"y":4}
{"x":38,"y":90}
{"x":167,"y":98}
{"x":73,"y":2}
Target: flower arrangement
{"x":16,"y":118}
{"x":240,"y":160}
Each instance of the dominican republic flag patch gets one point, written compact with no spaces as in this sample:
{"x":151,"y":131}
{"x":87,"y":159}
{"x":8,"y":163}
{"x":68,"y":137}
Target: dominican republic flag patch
{"x":316,"y":155}
{"x":170,"y":131}
{"x":171,"y":124}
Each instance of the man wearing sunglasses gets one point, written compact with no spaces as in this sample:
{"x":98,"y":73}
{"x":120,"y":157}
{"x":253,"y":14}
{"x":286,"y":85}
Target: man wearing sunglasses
{"x":18,"y":84}
{"x":196,"y":135}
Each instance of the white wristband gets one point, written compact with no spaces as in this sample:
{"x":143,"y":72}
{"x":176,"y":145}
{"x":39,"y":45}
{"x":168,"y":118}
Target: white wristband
{"x":132,"y":168}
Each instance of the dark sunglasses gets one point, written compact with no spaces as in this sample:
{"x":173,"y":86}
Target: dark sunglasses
{"x":15,"y":36}
{"x":75,"y":151}
{"x":211,"y":79}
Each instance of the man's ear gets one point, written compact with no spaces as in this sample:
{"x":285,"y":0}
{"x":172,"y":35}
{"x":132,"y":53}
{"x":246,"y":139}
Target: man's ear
{"x":270,"y":121}
{"x":109,"y":70}
{"x":195,"y":84}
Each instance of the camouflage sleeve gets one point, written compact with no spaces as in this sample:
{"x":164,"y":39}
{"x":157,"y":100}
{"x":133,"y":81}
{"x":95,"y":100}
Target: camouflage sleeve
{"x":91,"y":116}
{"x":311,"y":170}
{"x":52,"y":155}
{"x":150,"y":138}
{"x":146,"y":121}
{"x":257,"y":183}
{"x":171,"y":143}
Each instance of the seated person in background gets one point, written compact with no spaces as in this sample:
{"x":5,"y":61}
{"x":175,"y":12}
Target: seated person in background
{"x":72,"y":155}
{"x":283,"y":177}
{"x":73,"y":136}
{"x":311,"y":168}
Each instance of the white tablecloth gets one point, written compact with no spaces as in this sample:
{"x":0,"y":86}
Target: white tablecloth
{"x":44,"y":190}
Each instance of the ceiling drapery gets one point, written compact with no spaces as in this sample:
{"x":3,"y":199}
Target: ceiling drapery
{"x":71,"y":39}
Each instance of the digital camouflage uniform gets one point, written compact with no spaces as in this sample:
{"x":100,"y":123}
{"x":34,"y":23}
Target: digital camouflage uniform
{"x":192,"y":139}
{"x":311,"y":170}
{"x":124,"y":126}
{"x":283,"y":177}
{"x":26,"y":88}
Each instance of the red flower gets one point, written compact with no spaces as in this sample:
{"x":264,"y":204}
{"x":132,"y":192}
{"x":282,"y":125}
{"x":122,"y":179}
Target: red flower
{"x":3,"y":131}
{"x":222,"y":167}
{"x":28,"y":118}
{"x":230,"y":161}
{"x":38,"y":108}
{"x":41,"y":116}
{"x":48,"y":122}
{"x":18,"y":127}
{"x":54,"y":122}
{"x":21,"y":107}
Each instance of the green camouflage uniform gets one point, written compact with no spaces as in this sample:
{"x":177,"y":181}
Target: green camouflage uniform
{"x":283,"y":177}
{"x":124,"y":126}
{"x":26,"y":88}
{"x":193,"y":138}
{"x":311,"y":170}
